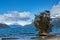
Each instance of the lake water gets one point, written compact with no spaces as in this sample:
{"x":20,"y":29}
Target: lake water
{"x":21,"y":34}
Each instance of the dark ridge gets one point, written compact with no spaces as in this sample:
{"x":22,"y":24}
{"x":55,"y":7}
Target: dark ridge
{"x":3,"y":25}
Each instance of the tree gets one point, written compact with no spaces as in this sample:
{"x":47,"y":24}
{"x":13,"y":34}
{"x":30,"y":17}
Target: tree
{"x":42,"y":23}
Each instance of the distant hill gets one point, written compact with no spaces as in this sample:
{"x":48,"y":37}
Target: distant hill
{"x":26,"y":26}
{"x":15,"y":26}
{"x":3,"y":25}
{"x":56,"y":22}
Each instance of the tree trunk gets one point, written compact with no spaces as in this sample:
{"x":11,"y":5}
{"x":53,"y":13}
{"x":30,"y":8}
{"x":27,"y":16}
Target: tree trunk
{"x":43,"y":32}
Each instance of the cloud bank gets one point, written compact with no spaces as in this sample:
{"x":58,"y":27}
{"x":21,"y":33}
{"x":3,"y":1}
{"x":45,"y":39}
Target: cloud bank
{"x":55,"y":11}
{"x":15,"y":17}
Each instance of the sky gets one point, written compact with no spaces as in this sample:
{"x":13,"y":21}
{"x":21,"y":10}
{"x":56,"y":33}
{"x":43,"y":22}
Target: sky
{"x":22,"y":11}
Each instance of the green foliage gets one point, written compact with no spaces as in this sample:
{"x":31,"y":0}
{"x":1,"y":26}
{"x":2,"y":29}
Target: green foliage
{"x":42,"y":21}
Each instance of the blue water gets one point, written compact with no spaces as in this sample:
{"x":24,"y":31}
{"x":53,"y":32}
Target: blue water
{"x":4,"y":32}
{"x":23,"y":33}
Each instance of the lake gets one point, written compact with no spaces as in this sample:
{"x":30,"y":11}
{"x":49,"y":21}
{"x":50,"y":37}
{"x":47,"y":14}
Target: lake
{"x":23,"y":34}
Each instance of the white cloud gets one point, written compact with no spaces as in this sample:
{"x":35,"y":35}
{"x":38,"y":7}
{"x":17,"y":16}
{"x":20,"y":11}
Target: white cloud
{"x":15,"y":17}
{"x":55,"y":11}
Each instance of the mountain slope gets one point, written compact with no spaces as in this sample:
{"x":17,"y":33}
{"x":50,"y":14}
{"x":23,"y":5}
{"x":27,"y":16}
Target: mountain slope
{"x":3,"y":25}
{"x":56,"y":22}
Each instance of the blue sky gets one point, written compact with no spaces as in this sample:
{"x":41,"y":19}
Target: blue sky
{"x":22,"y":11}
{"x":34,"y":6}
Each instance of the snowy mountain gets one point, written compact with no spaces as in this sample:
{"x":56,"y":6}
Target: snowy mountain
{"x":26,"y":26}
